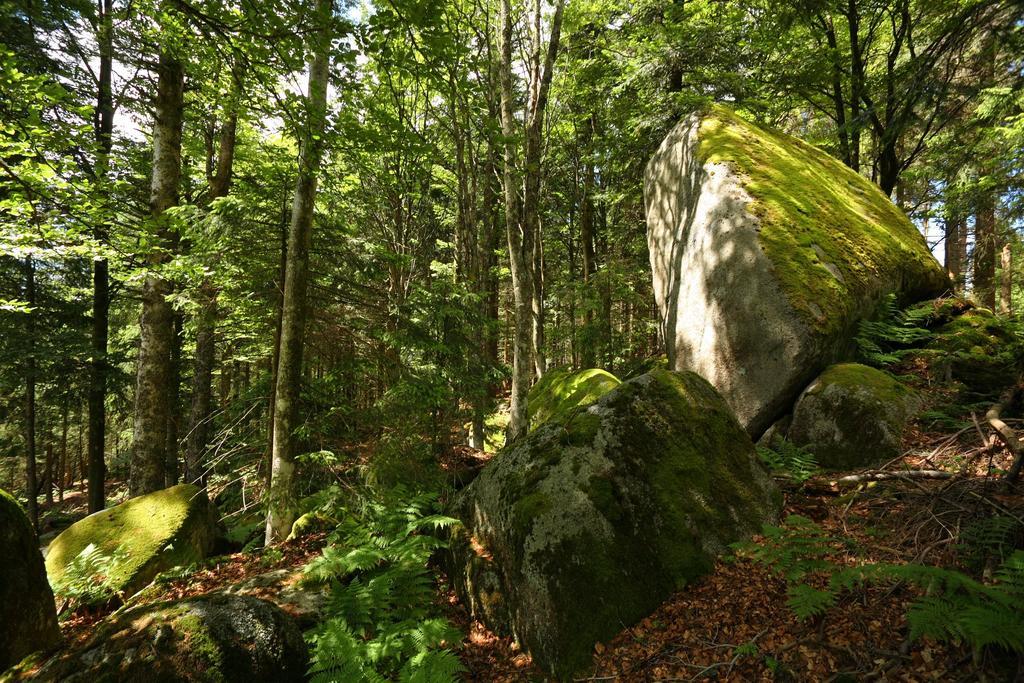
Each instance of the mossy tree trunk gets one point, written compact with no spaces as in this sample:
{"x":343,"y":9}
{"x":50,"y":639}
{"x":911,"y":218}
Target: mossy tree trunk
{"x":156,"y":326}
{"x":281,"y":499}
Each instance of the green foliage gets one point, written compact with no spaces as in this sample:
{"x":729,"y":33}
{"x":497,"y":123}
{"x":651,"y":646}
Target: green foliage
{"x":891,"y":333}
{"x":990,"y":539}
{"x":788,"y":460}
{"x":87,"y":579}
{"x":953,"y":606}
{"x":382,"y":622}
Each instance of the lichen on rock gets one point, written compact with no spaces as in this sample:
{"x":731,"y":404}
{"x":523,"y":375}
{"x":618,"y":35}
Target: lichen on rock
{"x":149,"y":534}
{"x":28,"y":617}
{"x":852,"y":416}
{"x":593,"y":519}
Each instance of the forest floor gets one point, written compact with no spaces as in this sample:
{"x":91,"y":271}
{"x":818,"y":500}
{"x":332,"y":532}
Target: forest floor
{"x":735,"y":624}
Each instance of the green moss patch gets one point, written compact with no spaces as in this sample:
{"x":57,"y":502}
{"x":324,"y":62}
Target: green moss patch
{"x":830,"y":233}
{"x":561,"y":392}
{"x":150,"y":533}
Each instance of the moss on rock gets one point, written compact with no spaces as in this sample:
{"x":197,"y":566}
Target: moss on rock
{"x":829,"y":232}
{"x":561,"y":392}
{"x":592,"y":520}
{"x":983,"y":351}
{"x":210,"y":639}
{"x":28,"y":618}
{"x":148,"y":534}
{"x":852,"y":416}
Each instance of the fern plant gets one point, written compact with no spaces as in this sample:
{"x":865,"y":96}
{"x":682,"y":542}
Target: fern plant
{"x":87,"y":579}
{"x":382,"y":623}
{"x":891,"y":333}
{"x":788,"y":460}
{"x":953,"y":607}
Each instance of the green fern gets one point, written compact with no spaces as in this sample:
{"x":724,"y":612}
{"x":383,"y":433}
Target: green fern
{"x":990,"y":538}
{"x":806,"y":601}
{"x":788,"y":460}
{"x":891,"y":333}
{"x":381,"y":624}
{"x":954,"y":606}
{"x":87,"y":579}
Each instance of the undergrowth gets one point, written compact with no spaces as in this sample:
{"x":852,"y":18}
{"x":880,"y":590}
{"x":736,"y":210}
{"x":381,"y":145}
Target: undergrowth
{"x":952,"y":607}
{"x":86,"y":579}
{"x":891,"y":333}
{"x":382,"y":622}
{"x":789,"y":461}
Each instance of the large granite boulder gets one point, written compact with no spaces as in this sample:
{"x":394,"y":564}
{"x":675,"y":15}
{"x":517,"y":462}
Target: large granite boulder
{"x":28,"y":618}
{"x":766,"y":253}
{"x":588,"y":523}
{"x":209,"y":639}
{"x":560,"y":392}
{"x":146,"y":535}
{"x":852,"y":416}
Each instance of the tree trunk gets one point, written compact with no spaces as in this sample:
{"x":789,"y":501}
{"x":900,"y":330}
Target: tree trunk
{"x":62,"y":467}
{"x":156,"y":326}
{"x":281,"y":498}
{"x":48,"y":474}
{"x":953,"y":258}
{"x":985,"y":250}
{"x":1006,"y":293}
{"x":201,"y":409}
{"x":588,"y":352}
{"x":31,"y":483}
{"x":200,"y":412}
{"x":100,"y":288}
{"x":522,"y":222}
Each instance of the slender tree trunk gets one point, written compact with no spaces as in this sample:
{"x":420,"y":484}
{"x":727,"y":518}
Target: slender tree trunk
{"x":100,"y":270}
{"x":62,"y":468}
{"x":174,"y":418}
{"x":1006,"y":288}
{"x":276,"y":356}
{"x":520,"y":248}
{"x":31,"y":483}
{"x":951,"y":248}
{"x":156,"y":326}
{"x":985,"y":250}
{"x":201,"y":409}
{"x":588,"y":354}
{"x":281,"y":499}
{"x":522,"y":222}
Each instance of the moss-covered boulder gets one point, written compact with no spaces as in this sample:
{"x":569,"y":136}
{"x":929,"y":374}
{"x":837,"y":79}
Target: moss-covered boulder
{"x":28,"y":618}
{"x":561,"y":392}
{"x":982,"y":351}
{"x":852,"y":416}
{"x":766,"y":252}
{"x":145,"y":535}
{"x":588,"y":523}
{"x":209,"y":639}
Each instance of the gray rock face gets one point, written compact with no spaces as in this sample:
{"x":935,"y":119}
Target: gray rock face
{"x":28,"y":617}
{"x":217,"y":638}
{"x":591,"y":521}
{"x":765,"y":254}
{"x":852,"y":416}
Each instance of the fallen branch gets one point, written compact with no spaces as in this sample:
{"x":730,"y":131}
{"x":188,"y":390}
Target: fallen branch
{"x":854,"y":479}
{"x":1006,"y":434}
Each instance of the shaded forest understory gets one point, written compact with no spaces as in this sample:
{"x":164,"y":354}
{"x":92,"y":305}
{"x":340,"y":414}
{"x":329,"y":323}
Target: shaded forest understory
{"x":421,"y":341}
